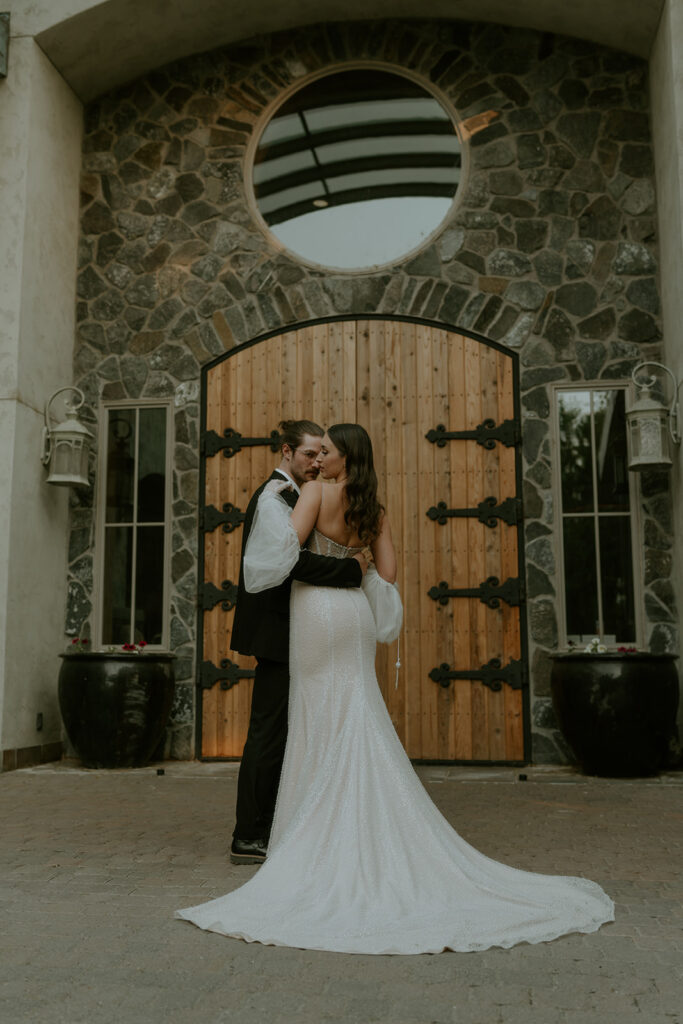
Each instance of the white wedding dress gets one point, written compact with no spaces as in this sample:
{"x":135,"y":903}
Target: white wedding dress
{"x":360,"y":860}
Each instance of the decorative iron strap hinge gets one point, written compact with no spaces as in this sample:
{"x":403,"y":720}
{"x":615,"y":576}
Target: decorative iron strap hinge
{"x":491,"y":592}
{"x":492,"y":674}
{"x":210,"y":595}
{"x":230,"y":518}
{"x":229,"y":674}
{"x":233,"y":442}
{"x":486,"y":434}
{"x":487,"y":512}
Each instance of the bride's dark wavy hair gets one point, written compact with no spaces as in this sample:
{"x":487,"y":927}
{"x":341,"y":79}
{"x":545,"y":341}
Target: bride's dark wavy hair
{"x":364,"y":513}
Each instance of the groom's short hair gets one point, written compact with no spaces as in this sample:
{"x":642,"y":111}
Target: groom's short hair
{"x":292,"y":431}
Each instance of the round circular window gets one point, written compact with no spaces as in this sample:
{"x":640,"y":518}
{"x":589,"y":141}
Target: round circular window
{"x":356,"y":169}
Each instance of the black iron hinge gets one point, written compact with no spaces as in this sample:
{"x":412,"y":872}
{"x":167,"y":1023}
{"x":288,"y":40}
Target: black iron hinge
{"x":209,"y":595}
{"x":228,"y":674}
{"x":486,"y":434}
{"x":491,"y":592}
{"x":233,"y":442}
{"x":487,"y":512}
{"x":492,"y":674}
{"x":230,"y":518}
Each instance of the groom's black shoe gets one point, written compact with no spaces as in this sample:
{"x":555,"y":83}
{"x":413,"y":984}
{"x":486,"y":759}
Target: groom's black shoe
{"x":248,"y":851}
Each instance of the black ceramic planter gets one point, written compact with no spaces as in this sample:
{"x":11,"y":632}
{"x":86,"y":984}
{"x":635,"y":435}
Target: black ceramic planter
{"x":616,"y":711}
{"x":115,"y":706}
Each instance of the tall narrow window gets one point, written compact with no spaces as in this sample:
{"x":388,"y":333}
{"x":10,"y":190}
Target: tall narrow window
{"x":134,"y":528}
{"x":596,"y":516}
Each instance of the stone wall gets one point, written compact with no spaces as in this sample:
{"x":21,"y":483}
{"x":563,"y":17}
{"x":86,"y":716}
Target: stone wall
{"x":550,"y":250}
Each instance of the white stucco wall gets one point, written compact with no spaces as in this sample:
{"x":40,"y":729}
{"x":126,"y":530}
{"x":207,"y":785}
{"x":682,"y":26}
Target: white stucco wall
{"x":666,"y":82}
{"x":41,"y":125}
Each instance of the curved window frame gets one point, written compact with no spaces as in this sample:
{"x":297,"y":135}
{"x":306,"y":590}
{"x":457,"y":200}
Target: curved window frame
{"x":302,"y":83}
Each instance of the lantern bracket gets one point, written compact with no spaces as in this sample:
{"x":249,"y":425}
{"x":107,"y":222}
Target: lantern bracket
{"x":647,"y":383}
{"x":71,"y":405}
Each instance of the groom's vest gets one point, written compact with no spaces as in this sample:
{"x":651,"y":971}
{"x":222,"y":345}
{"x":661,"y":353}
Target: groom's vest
{"x":261,"y":623}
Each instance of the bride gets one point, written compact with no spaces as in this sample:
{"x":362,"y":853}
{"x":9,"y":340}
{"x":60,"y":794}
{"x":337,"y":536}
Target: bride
{"x":360,"y":860}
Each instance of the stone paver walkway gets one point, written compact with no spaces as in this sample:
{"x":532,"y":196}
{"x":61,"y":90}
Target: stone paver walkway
{"x":93,"y":863}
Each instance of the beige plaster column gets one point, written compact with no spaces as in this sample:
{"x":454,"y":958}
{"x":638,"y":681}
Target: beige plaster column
{"x":41,"y":127}
{"x":666,"y":84}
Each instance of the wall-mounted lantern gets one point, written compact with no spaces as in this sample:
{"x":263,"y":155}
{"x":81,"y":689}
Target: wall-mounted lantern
{"x":650,"y":423}
{"x":66,"y":445}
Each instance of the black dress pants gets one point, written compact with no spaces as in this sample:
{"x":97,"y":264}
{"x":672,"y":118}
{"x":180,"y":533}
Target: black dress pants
{"x":264,"y":750}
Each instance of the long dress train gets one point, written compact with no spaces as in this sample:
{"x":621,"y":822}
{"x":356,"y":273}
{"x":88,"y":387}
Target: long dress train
{"x":360,"y":860}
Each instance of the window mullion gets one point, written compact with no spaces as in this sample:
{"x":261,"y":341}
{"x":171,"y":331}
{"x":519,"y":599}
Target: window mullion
{"x":596,"y":521}
{"x":134,"y":554}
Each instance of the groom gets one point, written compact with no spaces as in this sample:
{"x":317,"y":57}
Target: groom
{"x":261,"y":628}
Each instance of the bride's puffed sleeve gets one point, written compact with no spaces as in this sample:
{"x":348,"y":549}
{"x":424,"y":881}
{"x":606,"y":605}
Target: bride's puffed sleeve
{"x":385,"y":602}
{"x":272,"y":549}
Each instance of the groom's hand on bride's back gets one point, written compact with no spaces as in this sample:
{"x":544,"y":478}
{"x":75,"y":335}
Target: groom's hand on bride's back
{"x":362,"y":561}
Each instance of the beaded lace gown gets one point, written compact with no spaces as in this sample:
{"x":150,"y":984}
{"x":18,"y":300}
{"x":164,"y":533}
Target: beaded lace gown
{"x":360,"y":860}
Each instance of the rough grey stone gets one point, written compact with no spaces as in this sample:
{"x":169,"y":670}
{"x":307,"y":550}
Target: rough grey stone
{"x":591,"y":357}
{"x":500,"y":153}
{"x":540,"y":474}
{"x":537,"y":402}
{"x":505,"y":183}
{"x":543,"y":623}
{"x":526,"y":294}
{"x":578,"y":299}
{"x":553,"y":200}
{"x":600,"y":220}
{"x":540,"y":553}
{"x":580,"y":131}
{"x":508,"y":263}
{"x":454,"y":301}
{"x":530,"y":151}
{"x":541,"y":666}
{"x":561,"y":230}
{"x":634,"y":258}
{"x":655,"y":610}
{"x":643,"y":293}
{"x":544,"y":714}
{"x":560,"y":333}
{"x":581,"y":254}
{"x":107,"y":306}
{"x":598,"y":326}
{"x":549,"y":267}
{"x":638,"y":326}
{"x":531,"y":235}
{"x":133,"y":375}
{"x":143,"y":291}
{"x":426,"y":264}
{"x":663,"y":639}
{"x":542,"y":375}
{"x":639,"y":198}
{"x":97,"y":219}
{"x":533,"y":503}
{"x":450,"y":243}
{"x":534,"y":433}
{"x":585,"y":176}
{"x":78,"y":608}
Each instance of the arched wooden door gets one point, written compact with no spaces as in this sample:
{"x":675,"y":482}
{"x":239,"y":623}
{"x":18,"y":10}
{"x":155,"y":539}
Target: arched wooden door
{"x":453,"y":505}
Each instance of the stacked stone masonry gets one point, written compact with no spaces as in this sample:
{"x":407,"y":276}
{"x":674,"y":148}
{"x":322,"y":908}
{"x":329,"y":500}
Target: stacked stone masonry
{"x":550,"y":249}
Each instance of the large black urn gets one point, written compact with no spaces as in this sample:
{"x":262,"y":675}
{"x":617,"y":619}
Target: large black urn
{"x":115,"y":705}
{"x":617,"y":711}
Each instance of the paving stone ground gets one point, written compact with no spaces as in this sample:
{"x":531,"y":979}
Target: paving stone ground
{"x":93,"y":863}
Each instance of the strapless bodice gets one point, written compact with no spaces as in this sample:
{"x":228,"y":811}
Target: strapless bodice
{"x":323,"y":545}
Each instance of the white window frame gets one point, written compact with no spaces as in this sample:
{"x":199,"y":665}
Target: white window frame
{"x":100,"y":508}
{"x":635,"y":516}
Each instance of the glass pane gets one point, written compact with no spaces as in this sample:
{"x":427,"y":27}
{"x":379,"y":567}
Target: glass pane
{"x":611,"y":455}
{"x":617,"y":577}
{"x":152,"y":466}
{"x":580,"y":576}
{"x":575,"y":451}
{"x":118,"y":558}
{"x":149,"y":584}
{"x":357,"y":168}
{"x":120,"y":465}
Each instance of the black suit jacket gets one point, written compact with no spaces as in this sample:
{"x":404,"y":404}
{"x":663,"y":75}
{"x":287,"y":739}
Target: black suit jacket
{"x":261,"y":623}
